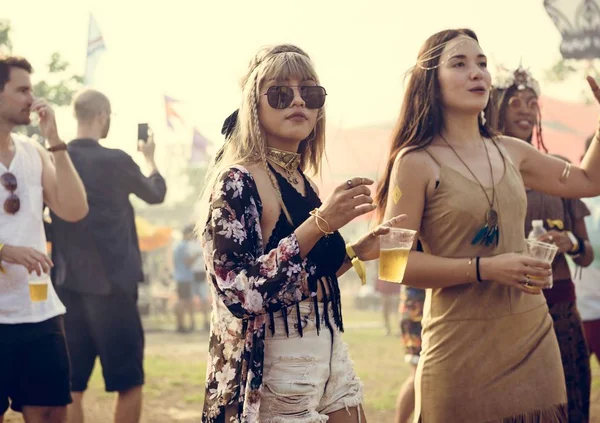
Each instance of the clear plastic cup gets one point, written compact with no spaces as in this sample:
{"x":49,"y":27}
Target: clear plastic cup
{"x":395,"y":247}
{"x":542,"y":251}
{"x":38,"y":288}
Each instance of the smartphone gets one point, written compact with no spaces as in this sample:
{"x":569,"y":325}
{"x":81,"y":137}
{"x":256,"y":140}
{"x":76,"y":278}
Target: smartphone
{"x":143,"y":132}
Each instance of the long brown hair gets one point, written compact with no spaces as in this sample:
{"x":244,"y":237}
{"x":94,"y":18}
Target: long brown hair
{"x":421,"y":116}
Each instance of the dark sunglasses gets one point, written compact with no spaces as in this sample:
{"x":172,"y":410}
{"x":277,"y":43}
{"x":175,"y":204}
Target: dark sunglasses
{"x":12,"y":203}
{"x":281,"y":96}
{"x":517,"y":102}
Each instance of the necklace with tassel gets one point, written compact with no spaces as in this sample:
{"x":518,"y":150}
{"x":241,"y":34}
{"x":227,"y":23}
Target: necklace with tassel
{"x":489,"y":234}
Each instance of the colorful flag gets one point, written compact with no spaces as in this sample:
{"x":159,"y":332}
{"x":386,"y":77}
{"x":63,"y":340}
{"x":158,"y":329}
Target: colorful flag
{"x":199,"y":146}
{"x":171,"y":113}
{"x":95,"y":49}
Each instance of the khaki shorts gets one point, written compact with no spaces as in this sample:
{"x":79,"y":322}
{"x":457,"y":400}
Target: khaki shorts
{"x":306,"y":378}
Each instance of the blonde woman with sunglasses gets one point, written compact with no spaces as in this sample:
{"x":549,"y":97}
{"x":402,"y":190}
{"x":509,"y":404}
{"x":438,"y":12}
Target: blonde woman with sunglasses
{"x":274,"y":253}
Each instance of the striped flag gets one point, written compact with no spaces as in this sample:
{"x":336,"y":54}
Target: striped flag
{"x":171,"y":112}
{"x":95,"y":49}
{"x":199,"y":146}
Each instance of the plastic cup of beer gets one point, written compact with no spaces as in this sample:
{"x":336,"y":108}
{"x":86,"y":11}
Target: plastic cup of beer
{"x":395,"y":247}
{"x":545,"y":252}
{"x":38,"y":288}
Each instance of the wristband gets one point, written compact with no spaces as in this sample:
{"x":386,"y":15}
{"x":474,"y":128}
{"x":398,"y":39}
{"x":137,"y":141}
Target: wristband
{"x":578,"y":245}
{"x":358,"y":265}
{"x":58,"y":147}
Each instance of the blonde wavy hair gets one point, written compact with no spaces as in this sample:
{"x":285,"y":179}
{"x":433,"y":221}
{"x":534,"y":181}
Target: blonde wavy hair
{"x":248,"y":143}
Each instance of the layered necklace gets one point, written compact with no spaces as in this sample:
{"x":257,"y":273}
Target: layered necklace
{"x":489,"y":233}
{"x":287,"y":160}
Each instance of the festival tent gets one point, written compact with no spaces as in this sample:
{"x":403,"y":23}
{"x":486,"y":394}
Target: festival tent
{"x":152,"y":237}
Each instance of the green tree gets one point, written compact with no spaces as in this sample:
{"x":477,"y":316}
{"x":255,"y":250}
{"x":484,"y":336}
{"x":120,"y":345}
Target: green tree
{"x":561,"y":70}
{"x":5,"y":43}
{"x":61,"y":84}
{"x":574,"y":70}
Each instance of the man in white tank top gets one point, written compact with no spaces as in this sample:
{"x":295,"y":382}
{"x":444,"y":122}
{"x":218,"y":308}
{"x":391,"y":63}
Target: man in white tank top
{"x":34,"y":362}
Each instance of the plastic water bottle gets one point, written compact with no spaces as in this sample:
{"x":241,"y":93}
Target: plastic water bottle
{"x":537,"y":229}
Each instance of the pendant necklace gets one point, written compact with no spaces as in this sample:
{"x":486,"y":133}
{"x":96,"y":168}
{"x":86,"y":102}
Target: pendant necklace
{"x":489,"y":233}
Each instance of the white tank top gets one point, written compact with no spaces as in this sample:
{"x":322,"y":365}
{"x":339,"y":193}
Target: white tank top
{"x":26,"y":229}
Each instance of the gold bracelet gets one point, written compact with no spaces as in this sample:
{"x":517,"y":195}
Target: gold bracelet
{"x":318,"y":218}
{"x":566,"y":173}
{"x":469,"y":271}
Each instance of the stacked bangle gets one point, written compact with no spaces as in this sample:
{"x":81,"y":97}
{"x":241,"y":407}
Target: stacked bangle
{"x":566,"y":173}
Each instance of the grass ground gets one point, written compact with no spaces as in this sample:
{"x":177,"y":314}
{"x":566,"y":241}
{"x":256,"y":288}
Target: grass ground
{"x":175,"y":368}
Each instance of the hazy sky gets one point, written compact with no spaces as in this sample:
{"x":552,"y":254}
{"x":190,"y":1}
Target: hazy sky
{"x":197,"y":50}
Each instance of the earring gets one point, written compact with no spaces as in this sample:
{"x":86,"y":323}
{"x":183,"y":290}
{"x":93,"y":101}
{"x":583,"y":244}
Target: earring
{"x":483,"y":119}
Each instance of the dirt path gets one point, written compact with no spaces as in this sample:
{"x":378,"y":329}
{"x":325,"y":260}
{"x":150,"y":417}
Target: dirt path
{"x":174,"y":389}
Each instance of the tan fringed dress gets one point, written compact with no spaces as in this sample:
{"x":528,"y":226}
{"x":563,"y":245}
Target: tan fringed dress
{"x":489,"y":351}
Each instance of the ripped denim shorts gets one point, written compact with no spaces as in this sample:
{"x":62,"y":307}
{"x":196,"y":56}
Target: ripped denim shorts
{"x":306,"y":378}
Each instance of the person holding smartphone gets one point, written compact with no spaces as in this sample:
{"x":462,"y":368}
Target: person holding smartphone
{"x":98,"y":261}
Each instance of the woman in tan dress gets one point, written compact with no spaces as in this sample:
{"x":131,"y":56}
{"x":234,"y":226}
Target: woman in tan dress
{"x":489,"y":350}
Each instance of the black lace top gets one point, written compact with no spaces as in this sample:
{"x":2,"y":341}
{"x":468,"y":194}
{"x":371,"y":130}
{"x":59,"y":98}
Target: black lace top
{"x":327,"y":255}
{"x":250,"y":281}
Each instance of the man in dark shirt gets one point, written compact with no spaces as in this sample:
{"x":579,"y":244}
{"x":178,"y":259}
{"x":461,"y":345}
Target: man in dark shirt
{"x":98,"y":262}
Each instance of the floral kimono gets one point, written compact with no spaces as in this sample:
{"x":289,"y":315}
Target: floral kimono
{"x":249,"y":284}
